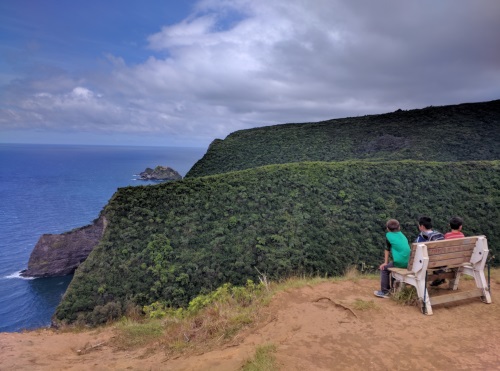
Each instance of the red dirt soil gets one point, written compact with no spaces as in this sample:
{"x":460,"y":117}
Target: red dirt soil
{"x":313,"y":328}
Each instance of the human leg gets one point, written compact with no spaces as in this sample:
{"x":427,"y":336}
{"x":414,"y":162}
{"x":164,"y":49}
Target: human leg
{"x":385,"y":276}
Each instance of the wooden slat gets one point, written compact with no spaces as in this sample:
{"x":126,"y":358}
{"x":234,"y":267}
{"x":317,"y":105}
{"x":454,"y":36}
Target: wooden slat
{"x":451,"y":254}
{"x":441,"y":299}
{"x":445,"y":259}
{"x":436,"y":248}
{"x":452,"y":242}
{"x":464,"y":249}
{"x":412,"y":256}
{"x":448,"y":263}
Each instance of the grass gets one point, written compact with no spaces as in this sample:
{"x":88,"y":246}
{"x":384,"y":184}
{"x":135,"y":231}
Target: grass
{"x":297,"y":282}
{"x":210,"y":321}
{"x":132,"y":334}
{"x":360,"y":304}
{"x":264,"y":359}
{"x":406,"y":296}
{"x":213,"y":319}
{"x":351,"y":274}
{"x":217,"y":318}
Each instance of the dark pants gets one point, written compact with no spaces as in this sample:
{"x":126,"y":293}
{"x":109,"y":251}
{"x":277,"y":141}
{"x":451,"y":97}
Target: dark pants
{"x":385,"y":278}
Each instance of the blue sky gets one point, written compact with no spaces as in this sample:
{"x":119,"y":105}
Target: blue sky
{"x":186,"y":72}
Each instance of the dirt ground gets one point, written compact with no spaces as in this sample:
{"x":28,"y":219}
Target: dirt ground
{"x":313,"y":328}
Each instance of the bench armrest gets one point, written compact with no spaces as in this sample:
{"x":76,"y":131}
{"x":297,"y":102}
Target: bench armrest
{"x":421,"y":259}
{"x":401,"y":271}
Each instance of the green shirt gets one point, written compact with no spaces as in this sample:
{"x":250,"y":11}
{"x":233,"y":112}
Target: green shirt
{"x":397,"y":244}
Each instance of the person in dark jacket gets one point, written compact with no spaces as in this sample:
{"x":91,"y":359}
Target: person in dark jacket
{"x":427,"y":233}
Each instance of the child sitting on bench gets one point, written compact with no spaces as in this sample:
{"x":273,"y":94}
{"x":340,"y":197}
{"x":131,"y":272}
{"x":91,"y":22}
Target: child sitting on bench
{"x":398,"y":246}
{"x":456,"y":228}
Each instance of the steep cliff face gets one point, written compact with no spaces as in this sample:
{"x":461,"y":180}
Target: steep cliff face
{"x":60,"y":254}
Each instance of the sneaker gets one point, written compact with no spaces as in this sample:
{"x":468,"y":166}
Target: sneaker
{"x":381,"y":294}
{"x":437,"y":282}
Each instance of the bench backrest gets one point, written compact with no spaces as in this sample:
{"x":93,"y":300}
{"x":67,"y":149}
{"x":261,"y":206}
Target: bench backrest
{"x":447,"y":253}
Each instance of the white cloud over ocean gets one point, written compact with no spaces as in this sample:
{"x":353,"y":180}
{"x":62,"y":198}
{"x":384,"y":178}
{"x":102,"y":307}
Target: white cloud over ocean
{"x":236,"y":64}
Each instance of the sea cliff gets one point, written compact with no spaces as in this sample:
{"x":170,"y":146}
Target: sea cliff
{"x":60,"y":254}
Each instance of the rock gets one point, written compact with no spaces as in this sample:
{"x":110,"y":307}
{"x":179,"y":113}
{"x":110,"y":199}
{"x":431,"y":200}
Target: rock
{"x":160,"y":173}
{"x":60,"y":254}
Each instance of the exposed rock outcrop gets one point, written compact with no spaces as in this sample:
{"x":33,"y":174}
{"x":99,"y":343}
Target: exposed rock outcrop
{"x":60,"y":254}
{"x":160,"y":173}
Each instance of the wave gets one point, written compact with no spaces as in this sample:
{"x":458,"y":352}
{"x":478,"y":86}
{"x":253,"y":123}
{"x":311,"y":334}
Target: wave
{"x":18,"y":275}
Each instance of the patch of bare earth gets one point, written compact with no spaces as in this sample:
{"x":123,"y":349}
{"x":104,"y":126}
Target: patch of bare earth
{"x":320,"y":327}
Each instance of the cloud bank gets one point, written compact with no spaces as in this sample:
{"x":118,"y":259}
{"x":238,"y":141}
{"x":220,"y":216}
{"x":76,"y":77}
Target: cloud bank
{"x":235,"y":64}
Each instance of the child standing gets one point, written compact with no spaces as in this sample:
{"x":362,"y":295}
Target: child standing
{"x":456,"y":228}
{"x":398,"y":246}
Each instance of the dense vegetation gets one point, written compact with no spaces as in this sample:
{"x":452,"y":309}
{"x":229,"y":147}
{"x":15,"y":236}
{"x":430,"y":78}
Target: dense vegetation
{"x":462,"y":132}
{"x":170,"y":242}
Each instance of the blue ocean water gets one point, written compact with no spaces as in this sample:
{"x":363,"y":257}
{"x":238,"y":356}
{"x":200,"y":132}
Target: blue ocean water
{"x":53,"y":189}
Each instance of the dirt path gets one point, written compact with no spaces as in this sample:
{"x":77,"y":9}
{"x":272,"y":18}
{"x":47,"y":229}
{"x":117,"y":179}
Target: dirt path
{"x":314,"y":328}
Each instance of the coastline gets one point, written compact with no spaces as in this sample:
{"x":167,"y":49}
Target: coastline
{"x":51,"y":189}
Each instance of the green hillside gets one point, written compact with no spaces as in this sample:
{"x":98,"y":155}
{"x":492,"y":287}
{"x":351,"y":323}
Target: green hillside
{"x":172,"y":241}
{"x":462,"y":132}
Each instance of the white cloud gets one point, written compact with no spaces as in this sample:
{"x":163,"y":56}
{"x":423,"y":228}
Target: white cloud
{"x":186,"y":33}
{"x":234,"y":64}
{"x":82,"y":93}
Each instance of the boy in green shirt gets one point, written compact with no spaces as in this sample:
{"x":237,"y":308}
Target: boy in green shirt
{"x":398,"y":246}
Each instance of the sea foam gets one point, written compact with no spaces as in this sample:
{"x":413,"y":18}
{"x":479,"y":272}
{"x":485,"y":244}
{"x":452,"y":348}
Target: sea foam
{"x":18,"y":275}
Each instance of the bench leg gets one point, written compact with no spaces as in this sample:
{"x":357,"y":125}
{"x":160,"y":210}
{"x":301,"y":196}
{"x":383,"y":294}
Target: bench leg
{"x":483,"y":285}
{"x":454,"y":284}
{"x":423,"y":293}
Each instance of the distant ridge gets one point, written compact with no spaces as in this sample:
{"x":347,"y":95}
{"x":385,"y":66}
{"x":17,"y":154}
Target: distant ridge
{"x":463,"y":132}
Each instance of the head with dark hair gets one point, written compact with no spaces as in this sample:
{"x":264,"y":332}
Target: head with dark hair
{"x":392,"y":225}
{"x":456,"y":222}
{"x":425,"y":221}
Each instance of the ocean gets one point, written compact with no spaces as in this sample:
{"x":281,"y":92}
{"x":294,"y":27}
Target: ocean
{"x":53,"y":189}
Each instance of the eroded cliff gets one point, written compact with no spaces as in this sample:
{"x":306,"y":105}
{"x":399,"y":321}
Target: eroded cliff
{"x":60,"y":254}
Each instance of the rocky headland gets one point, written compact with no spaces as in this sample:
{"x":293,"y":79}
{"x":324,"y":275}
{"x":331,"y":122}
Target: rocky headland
{"x":160,"y":173}
{"x":60,"y":254}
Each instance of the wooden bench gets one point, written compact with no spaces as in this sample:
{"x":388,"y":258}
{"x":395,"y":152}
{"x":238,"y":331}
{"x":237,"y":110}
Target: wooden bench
{"x":453,"y":257}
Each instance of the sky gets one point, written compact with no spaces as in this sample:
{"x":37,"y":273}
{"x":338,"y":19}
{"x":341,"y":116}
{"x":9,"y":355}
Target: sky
{"x":183,"y":73}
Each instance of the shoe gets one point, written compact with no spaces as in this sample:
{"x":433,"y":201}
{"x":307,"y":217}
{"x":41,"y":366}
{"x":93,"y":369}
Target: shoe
{"x":381,"y":294}
{"x":437,"y":282}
